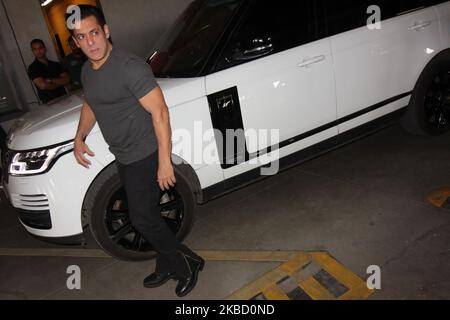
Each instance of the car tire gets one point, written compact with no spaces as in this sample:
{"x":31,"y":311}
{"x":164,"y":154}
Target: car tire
{"x":107,"y":214}
{"x":427,"y":114}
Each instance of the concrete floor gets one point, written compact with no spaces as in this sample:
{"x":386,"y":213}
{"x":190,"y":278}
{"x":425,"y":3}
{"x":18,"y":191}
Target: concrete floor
{"x":363,"y":203}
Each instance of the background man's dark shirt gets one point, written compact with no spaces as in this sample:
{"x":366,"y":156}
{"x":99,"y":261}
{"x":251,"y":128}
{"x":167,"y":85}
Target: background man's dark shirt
{"x":73,"y":64}
{"x":53,"y":70}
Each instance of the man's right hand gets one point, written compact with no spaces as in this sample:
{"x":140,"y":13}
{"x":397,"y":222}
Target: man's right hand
{"x":80,"y":150}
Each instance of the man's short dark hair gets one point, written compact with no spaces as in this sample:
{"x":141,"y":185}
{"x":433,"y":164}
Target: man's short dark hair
{"x":87,"y":11}
{"x":37,"y":41}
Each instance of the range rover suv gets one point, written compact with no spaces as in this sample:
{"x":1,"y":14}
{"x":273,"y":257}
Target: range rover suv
{"x":317,"y":73}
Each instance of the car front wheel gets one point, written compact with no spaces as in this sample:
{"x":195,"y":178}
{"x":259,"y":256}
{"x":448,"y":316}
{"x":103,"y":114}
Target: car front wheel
{"x":110,"y":223}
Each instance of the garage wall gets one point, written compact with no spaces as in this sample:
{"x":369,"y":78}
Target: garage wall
{"x":28,"y":23}
{"x":17,"y":27}
{"x":137,"y":24}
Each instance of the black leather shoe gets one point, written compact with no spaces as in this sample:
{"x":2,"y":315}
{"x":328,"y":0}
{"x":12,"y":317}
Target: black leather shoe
{"x":186,"y":284}
{"x":158,"y":279}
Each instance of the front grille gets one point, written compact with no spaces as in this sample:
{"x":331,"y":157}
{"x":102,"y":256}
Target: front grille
{"x":33,"y":210}
{"x":36,"y":219}
{"x":6,"y":160}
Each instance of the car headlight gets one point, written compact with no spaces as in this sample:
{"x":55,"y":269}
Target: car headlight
{"x":39,"y":161}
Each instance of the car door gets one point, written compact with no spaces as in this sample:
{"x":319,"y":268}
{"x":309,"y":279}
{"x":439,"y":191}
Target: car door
{"x":275,"y":73}
{"x":376,"y":69}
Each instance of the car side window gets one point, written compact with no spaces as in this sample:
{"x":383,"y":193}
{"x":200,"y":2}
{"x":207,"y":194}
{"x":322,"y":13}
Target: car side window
{"x":434,"y":2}
{"x":272,"y":27}
{"x":347,"y":15}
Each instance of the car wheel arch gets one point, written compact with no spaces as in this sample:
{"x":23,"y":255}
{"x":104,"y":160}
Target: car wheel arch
{"x":411,"y":120}
{"x":181,"y":167}
{"x":441,"y":55}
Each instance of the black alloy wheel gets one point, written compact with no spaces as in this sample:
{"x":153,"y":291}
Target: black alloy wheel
{"x":118,"y":223}
{"x":437,"y":102}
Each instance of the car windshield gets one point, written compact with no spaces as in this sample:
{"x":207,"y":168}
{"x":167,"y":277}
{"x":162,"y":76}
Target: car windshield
{"x":183,"y":51}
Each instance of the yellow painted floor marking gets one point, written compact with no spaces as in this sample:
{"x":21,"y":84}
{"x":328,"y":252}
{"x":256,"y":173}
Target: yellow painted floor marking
{"x":438,"y":197}
{"x":248,"y":256}
{"x":301,"y":270}
{"x":49,"y":252}
{"x":275,"y":293}
{"x":244,"y":256}
{"x":296,"y":263}
{"x":315,"y":290}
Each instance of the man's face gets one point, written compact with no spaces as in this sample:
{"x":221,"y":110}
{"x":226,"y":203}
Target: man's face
{"x":92,"y":39}
{"x":39,"y":50}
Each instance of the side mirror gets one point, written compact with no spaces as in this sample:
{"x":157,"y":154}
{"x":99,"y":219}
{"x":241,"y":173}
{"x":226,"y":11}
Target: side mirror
{"x":258,"y":47}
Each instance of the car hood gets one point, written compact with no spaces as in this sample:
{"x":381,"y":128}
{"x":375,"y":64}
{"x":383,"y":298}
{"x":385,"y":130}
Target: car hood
{"x":57,"y":122}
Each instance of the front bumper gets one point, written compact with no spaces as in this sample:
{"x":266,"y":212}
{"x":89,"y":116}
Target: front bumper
{"x":49,"y":205}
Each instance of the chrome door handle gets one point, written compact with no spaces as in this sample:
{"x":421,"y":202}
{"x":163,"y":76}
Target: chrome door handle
{"x":419,"y":25}
{"x":307,"y":62}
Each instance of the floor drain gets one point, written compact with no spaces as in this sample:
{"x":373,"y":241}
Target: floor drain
{"x":330,"y":283}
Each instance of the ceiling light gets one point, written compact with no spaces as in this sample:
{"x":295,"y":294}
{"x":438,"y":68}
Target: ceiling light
{"x":46,"y":2}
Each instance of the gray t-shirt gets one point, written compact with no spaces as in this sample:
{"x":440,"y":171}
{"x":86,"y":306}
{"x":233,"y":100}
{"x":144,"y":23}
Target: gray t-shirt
{"x":113,"y":92}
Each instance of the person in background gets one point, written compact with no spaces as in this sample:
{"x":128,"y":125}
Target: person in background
{"x":73,"y":63}
{"x":48,"y":76}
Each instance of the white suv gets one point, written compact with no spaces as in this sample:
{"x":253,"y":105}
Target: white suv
{"x":318,"y":73}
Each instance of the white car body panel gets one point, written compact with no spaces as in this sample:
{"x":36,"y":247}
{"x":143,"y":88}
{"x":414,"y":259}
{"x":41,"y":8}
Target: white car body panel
{"x":276,"y":155}
{"x":276,"y":94}
{"x":375,"y":114}
{"x":48,"y":125}
{"x":179,"y":91}
{"x":372,"y":66}
{"x":443,"y":14}
{"x":297,"y":99}
{"x":190,"y":123}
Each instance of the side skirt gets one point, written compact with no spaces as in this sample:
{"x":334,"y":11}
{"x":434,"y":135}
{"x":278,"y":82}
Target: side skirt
{"x":302,"y":156}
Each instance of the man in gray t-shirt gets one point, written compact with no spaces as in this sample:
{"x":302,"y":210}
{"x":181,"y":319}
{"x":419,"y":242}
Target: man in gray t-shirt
{"x":113,"y":92}
{"x":121,"y":94}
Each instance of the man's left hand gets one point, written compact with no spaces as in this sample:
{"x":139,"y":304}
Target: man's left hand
{"x":166,"y":176}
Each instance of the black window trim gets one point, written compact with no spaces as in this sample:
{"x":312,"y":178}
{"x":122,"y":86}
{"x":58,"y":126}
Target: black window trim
{"x":229,"y":30}
{"x":233,"y":26}
{"x":411,"y":11}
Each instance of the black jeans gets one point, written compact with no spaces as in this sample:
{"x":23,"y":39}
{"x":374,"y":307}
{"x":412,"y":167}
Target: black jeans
{"x":140,"y":182}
